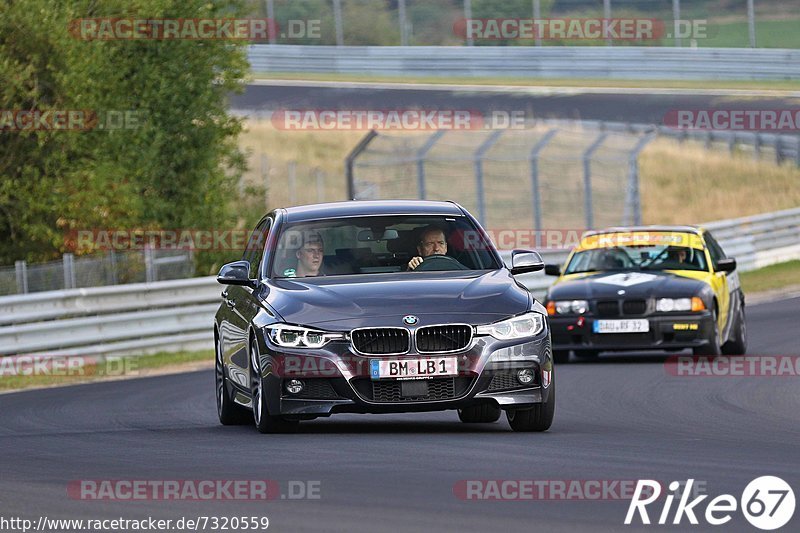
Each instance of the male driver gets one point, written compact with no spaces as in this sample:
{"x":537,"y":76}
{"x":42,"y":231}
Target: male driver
{"x":309,"y":257}
{"x":431,"y":241}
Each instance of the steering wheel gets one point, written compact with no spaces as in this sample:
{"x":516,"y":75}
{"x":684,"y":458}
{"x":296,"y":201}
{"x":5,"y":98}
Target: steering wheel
{"x":439,"y":262}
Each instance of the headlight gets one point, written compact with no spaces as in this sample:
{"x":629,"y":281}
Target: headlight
{"x":566,"y":307}
{"x":667,"y":305}
{"x":299,"y":337}
{"x":518,"y":327}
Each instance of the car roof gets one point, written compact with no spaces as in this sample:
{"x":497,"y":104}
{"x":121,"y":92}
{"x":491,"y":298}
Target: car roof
{"x":627,"y":229}
{"x":371,"y":208}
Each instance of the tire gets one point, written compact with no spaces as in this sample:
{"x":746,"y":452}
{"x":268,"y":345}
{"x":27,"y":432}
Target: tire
{"x":560,"y":356}
{"x":536,"y":418}
{"x":738,"y":344}
{"x":587,"y":355}
{"x":265,"y":423}
{"x":712,"y":347}
{"x":229,"y":412}
{"x":480,"y":414}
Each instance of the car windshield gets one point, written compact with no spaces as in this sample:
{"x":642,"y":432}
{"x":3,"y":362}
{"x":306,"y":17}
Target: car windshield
{"x":637,"y":258}
{"x":381,"y":244}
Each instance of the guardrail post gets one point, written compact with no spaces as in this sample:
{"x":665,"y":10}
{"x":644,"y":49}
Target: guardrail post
{"x":478,"y":162}
{"x":68,"y":262}
{"x":634,"y":205}
{"x":421,"y":154}
{"x":587,"y":178}
{"x":21,"y":270}
{"x":537,"y":199}
{"x":350,"y":160}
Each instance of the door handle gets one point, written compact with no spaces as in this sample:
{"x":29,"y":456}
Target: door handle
{"x":229,"y":303}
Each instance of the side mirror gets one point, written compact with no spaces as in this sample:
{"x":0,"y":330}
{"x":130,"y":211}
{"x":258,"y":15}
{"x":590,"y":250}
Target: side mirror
{"x":726,"y":265}
{"x":524,"y":261}
{"x":552,"y":270}
{"x":236,"y":273}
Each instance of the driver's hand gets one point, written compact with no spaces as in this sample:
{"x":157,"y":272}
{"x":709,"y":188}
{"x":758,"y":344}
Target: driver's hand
{"x":414,"y":263}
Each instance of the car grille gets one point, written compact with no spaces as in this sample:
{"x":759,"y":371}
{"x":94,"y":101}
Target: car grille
{"x":380,"y":341}
{"x":389,"y":391}
{"x":608,"y":308}
{"x":634,"y":307}
{"x":451,"y":338}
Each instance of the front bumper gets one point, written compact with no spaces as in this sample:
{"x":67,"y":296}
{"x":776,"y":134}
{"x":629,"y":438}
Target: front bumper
{"x":336,"y":380}
{"x":667,"y":332}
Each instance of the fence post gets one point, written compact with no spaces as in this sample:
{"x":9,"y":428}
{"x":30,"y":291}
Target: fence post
{"x":634,"y":199}
{"x":21,"y":270}
{"x":537,"y":15}
{"x":337,"y":16}
{"x":350,"y":160}
{"x":751,"y":23}
{"x":537,"y":198}
{"x":401,"y":8}
{"x":778,"y":149}
{"x":757,"y":146}
{"x":478,"y":162}
{"x":587,"y":178}
{"x":68,"y":262}
{"x":421,"y":154}
{"x":265,"y":176}
{"x":149,"y":265}
{"x":320,"y":185}
{"x":271,"y":17}
{"x":291,"y":171}
{"x":467,"y":17}
{"x":732,"y":142}
{"x":607,"y":15}
{"x":112,"y":268}
{"x":676,"y":17}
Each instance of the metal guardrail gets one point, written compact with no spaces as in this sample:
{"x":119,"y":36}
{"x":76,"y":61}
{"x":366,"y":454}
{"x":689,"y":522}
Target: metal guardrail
{"x":628,"y":62}
{"x":177,"y":315}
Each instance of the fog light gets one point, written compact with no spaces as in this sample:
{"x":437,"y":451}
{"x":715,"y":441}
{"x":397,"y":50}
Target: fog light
{"x":294,"y":386}
{"x":525,"y":376}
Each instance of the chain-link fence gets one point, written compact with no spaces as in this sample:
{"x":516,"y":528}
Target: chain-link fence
{"x":112,"y":268}
{"x":680,"y":23}
{"x":539,"y":177}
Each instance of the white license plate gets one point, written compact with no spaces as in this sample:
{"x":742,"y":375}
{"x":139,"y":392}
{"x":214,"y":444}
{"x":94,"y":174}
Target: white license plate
{"x":638,"y":325}
{"x":413,"y":368}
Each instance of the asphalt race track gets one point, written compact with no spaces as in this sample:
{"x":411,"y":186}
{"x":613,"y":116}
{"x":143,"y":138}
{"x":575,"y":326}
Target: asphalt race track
{"x":624,"y":418}
{"x":650,"y":107}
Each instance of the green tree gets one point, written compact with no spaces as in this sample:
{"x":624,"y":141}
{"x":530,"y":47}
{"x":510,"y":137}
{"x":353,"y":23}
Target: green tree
{"x":174,"y":167}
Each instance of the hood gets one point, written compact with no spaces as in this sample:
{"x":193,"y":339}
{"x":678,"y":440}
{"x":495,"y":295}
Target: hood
{"x":345,"y":302}
{"x":636,"y":284}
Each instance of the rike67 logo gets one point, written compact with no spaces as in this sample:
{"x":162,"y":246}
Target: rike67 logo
{"x":767,"y":503}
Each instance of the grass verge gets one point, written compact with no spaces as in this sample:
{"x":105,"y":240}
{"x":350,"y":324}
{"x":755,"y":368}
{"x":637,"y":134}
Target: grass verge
{"x":26,"y":374}
{"x":772,"y":277}
{"x":771,"y":85}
